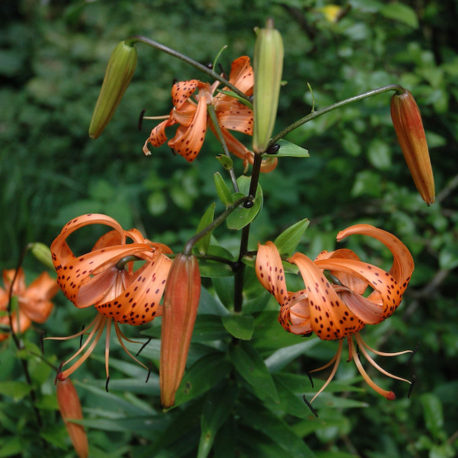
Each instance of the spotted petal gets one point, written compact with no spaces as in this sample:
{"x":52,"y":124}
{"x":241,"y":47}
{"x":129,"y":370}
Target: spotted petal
{"x":269,"y":270}
{"x":242,"y":75}
{"x":403,"y":264}
{"x":182,"y":90}
{"x":36,"y":302}
{"x":330,"y":318}
{"x":139,"y":302}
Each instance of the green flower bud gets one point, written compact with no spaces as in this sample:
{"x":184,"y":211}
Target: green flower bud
{"x":268,"y":65}
{"x":118,"y":74}
{"x":42,"y":253}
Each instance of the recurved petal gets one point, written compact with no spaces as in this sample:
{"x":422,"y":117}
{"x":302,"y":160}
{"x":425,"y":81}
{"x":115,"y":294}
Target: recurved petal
{"x":139,"y":302}
{"x":36,"y":300}
{"x":185,"y":114}
{"x":233,"y":115}
{"x":356,"y":284}
{"x":241,"y":75}
{"x":269,"y":270}
{"x":295,"y":314}
{"x":403,"y":264}
{"x":157,"y":136}
{"x":188,"y":141}
{"x":182,"y":90}
{"x":20,"y":325}
{"x":330,"y":318}
{"x":385,"y":284}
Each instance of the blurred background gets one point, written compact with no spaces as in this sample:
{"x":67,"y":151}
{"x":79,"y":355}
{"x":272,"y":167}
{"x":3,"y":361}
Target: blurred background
{"x":52,"y":61}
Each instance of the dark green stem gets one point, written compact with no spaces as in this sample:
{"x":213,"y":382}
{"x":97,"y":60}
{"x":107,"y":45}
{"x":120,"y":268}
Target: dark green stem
{"x":16,"y":340}
{"x":188,"y":60}
{"x":315,"y":114}
{"x":221,"y":218}
{"x":239,"y":268}
{"x":212,"y":113}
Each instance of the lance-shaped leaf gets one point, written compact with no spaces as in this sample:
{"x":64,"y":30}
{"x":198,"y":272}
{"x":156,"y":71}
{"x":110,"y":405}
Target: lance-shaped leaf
{"x":207,"y":218}
{"x":288,"y":240}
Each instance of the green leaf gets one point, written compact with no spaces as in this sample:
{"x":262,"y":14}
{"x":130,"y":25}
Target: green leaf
{"x":11,"y":446}
{"x":239,"y":326}
{"x":202,"y":375}
{"x":207,"y":218}
{"x":242,"y":216}
{"x":217,"y":408}
{"x":288,"y":149}
{"x":400,"y":12}
{"x":208,"y":328}
{"x":251,"y":367}
{"x":434,"y":419}
{"x":16,"y":390}
{"x":283,"y":356}
{"x":223,"y":191}
{"x":265,"y":421}
{"x":288,"y":240}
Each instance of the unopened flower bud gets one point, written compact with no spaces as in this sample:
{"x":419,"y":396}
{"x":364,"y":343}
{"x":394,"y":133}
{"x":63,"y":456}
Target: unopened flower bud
{"x":268,"y":65}
{"x":42,"y":253}
{"x":70,"y":409}
{"x":118,"y":74}
{"x":411,"y":135}
{"x":181,"y":299}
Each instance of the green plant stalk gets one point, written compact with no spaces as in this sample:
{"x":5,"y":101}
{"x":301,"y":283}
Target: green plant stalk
{"x":214,"y":119}
{"x":16,"y":340}
{"x":239,"y":268}
{"x":315,"y":114}
{"x":188,"y":60}
{"x":220,"y":219}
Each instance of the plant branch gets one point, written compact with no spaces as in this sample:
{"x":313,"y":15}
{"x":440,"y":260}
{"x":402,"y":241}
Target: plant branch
{"x":221,"y":218}
{"x":316,"y":114}
{"x":188,"y":60}
{"x":239,"y":268}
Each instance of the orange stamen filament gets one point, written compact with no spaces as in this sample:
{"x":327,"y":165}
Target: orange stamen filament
{"x":381,"y":353}
{"x":120,"y":338}
{"x":386,"y":394}
{"x":87,"y":353}
{"x":84,"y":331}
{"x":322,"y":368}
{"x":89,"y":338}
{"x":156,"y":117}
{"x":359,"y":340}
{"x":107,"y":348}
{"x":333,"y":372}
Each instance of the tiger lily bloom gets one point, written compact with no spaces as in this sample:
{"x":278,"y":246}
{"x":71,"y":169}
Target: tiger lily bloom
{"x":34,"y":301}
{"x":337,"y":310}
{"x":100,"y":279}
{"x":192,"y":117}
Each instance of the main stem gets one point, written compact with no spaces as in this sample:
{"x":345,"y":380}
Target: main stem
{"x":188,"y":60}
{"x":315,"y":114}
{"x":239,"y":267}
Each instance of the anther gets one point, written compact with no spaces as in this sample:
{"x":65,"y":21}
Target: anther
{"x":312,"y":409}
{"x":415,"y":349}
{"x":310,"y":378}
{"x":144,"y":345}
{"x":140,"y":119}
{"x":106,"y":384}
{"x":42,"y":337}
{"x":81,"y":336}
{"x":149,"y":373}
{"x":59,"y":371}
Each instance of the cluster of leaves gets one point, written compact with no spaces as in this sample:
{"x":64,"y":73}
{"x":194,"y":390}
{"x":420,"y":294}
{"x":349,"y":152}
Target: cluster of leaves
{"x":246,"y":378}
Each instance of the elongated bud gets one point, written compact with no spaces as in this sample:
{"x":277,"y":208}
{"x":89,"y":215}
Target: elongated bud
{"x":181,"y":299}
{"x":42,"y":253}
{"x":118,"y":74}
{"x":411,"y":136}
{"x":70,"y":409}
{"x":268,"y":65}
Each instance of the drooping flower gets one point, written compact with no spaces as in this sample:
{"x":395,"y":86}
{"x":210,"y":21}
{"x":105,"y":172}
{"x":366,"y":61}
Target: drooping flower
{"x":34,"y":301}
{"x":190,"y":100}
{"x":70,"y":409}
{"x":106,"y":279}
{"x":335,"y":308}
{"x":181,"y":299}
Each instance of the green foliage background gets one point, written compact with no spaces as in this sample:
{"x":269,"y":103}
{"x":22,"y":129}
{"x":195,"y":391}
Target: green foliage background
{"x":52,"y":60}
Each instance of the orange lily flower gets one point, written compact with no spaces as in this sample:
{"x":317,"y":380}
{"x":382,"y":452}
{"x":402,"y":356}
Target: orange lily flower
{"x":33,"y":301}
{"x":100,"y":279}
{"x":337,"y":309}
{"x":192,"y":117}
